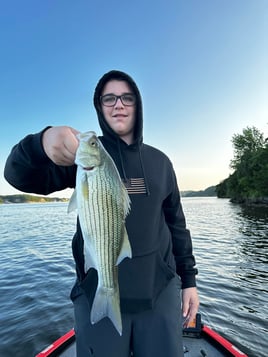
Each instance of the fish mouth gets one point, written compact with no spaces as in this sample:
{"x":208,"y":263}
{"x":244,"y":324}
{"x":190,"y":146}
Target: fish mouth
{"x":89,"y":168}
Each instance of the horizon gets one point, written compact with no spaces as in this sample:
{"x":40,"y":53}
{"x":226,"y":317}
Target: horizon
{"x":68,"y":192}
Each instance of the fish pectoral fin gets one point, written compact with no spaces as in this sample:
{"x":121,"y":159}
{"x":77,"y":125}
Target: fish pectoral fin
{"x":72,"y":203}
{"x":107,"y":304}
{"x":125,"y":251}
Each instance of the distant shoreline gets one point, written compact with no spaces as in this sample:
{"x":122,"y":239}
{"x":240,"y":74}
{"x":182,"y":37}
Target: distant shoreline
{"x":23,"y":198}
{"x":208,"y":192}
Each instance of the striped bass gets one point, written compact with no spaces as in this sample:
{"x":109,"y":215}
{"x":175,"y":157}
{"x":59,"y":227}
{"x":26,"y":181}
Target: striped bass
{"x":102,"y":203}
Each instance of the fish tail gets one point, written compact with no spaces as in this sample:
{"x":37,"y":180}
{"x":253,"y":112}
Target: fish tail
{"x":106,"y":304}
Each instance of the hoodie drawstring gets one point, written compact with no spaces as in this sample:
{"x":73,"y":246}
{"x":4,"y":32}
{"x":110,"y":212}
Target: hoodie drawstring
{"x":144,"y":174}
{"x":125,"y":179}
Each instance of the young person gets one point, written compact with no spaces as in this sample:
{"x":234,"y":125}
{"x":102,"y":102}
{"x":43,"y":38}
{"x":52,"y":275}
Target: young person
{"x":162,"y":269}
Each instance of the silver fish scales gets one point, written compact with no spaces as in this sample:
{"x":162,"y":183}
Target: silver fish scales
{"x":103,"y":204}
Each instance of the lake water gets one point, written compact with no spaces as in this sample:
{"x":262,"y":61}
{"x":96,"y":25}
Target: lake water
{"x":37,"y":273}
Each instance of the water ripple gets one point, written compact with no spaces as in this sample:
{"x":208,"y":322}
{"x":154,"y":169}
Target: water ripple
{"x":37,"y":270}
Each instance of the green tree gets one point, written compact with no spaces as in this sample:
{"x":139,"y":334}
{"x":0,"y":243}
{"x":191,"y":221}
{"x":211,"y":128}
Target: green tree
{"x":249,"y":181}
{"x":246,"y":144}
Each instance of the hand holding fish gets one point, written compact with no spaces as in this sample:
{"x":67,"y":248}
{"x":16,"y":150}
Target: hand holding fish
{"x":60,"y":144}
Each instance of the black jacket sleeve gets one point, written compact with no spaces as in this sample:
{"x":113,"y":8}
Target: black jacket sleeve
{"x":181,"y":238}
{"x":29,"y":169}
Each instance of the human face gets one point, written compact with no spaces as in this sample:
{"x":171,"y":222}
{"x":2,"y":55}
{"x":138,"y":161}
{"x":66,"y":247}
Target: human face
{"x":121,"y":118}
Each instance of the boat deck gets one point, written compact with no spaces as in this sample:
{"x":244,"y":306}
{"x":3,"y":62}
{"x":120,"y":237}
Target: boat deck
{"x":198,"y":341}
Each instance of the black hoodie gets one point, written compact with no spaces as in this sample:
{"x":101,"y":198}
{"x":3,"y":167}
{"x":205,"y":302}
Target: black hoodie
{"x":161,"y":244}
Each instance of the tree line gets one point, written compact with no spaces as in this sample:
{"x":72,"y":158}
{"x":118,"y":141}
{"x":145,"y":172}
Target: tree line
{"x":24,"y":198}
{"x":249,"y":180}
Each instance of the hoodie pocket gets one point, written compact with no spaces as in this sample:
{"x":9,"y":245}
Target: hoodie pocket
{"x":141,"y":279}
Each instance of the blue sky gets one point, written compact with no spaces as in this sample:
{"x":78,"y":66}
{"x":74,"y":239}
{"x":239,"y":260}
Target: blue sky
{"x":201,"y":66}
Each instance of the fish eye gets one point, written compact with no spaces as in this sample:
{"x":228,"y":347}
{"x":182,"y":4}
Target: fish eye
{"x":93,"y":143}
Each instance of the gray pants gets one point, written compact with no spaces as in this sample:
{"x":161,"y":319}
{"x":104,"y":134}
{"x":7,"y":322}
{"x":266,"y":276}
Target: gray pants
{"x":156,"y":332}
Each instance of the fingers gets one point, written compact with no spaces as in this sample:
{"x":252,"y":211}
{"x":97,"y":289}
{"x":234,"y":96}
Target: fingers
{"x":190,"y":304}
{"x":70,"y":144}
{"x":60,"y":144}
{"x":65,"y":157}
{"x":190,"y":316}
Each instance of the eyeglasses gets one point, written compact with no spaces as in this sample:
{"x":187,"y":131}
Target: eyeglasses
{"x":109,"y":100}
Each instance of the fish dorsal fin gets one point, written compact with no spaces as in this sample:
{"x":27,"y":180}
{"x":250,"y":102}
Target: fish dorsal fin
{"x":126,"y":200}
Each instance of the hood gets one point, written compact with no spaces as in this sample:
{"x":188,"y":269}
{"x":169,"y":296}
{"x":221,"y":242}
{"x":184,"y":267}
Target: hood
{"x":106,"y":130}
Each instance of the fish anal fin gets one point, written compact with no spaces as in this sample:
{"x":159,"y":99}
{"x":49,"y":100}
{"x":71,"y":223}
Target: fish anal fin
{"x":125,"y":251}
{"x":89,"y":256}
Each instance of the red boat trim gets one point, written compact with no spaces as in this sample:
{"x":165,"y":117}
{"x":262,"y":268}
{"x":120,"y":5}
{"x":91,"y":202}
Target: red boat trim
{"x":57,"y":344}
{"x":234,"y":351}
{"x":66,"y":339}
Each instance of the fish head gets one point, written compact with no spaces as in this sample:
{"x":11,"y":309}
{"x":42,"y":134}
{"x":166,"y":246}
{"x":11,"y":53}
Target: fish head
{"x":88,"y":155}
